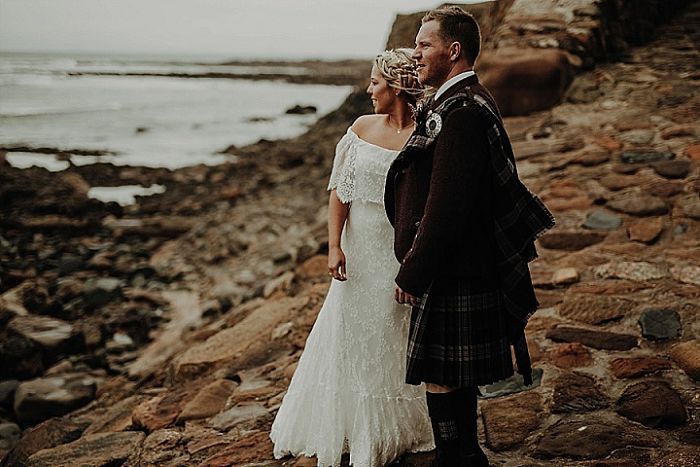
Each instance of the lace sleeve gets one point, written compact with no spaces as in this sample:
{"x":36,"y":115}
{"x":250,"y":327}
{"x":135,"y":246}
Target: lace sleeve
{"x":343,"y":174}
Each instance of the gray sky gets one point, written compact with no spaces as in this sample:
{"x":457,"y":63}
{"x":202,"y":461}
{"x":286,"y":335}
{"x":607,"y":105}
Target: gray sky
{"x":227,"y":28}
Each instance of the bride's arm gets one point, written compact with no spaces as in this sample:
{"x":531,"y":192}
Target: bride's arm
{"x":337,"y":214}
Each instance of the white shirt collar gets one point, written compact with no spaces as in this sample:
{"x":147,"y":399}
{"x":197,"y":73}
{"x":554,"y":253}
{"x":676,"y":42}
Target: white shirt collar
{"x":447,"y":84}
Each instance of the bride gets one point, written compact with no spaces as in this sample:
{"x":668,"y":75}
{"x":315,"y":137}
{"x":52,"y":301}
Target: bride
{"x":348,"y":393}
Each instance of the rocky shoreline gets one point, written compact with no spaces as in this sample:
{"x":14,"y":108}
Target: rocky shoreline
{"x":165,"y":333}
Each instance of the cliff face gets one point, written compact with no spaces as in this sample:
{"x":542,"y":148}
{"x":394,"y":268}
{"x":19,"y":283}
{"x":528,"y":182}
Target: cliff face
{"x":532,"y":50}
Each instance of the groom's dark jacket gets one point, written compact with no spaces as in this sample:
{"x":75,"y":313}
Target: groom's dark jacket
{"x":439,"y":200}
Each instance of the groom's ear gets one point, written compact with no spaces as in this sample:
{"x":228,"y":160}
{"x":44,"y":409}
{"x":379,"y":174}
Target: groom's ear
{"x":455,"y":51}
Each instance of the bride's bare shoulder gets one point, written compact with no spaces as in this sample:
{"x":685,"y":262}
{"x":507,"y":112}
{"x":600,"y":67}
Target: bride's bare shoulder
{"x":365,"y":122}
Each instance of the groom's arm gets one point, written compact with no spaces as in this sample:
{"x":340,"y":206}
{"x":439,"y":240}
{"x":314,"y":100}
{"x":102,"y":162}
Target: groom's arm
{"x":460,"y":164}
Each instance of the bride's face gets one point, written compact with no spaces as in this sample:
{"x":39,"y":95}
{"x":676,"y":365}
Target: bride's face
{"x":381,"y":94}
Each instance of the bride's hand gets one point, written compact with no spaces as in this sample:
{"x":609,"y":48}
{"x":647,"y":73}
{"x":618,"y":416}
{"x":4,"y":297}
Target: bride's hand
{"x":336,"y":264}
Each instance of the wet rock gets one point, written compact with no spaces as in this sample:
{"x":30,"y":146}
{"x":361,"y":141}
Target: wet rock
{"x":638,"y":204}
{"x":659,"y":324}
{"x":47,"y":435}
{"x":39,"y":399}
{"x":52,"y":335}
{"x":583,"y":438}
{"x":636,"y":367}
{"x":677,"y":168}
{"x":301,"y":110}
{"x":565,"y":276}
{"x":509,"y":420}
{"x":571,"y":355}
{"x":570,"y":241}
{"x":512,"y":385}
{"x":652,"y":403}
{"x":602,"y":220}
{"x":209,"y":401}
{"x":100,"y":449}
{"x":687,"y":274}
{"x":637,"y":157}
{"x":575,"y":392}
{"x":637,"y":137}
{"x":687,"y":356}
{"x":646,"y":230}
{"x":158,"y":412}
{"x":99,"y":292}
{"x":640,"y":271}
{"x":596,"y":339}
{"x":9,"y":435}
{"x":594,"y":309}
{"x":7,"y":392}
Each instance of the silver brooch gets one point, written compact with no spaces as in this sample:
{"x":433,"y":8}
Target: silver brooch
{"x":433,"y":125}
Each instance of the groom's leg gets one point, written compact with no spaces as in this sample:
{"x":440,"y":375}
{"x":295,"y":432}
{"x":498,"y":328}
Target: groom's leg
{"x":454,"y":419}
{"x":445,"y":423}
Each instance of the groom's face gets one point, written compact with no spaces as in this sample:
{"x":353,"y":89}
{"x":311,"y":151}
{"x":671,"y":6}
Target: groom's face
{"x":431,"y":55}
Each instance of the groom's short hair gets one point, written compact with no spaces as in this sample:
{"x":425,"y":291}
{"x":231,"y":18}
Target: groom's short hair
{"x":456,"y":25}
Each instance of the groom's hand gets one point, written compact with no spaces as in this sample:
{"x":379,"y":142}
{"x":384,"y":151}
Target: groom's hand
{"x":404,"y":298}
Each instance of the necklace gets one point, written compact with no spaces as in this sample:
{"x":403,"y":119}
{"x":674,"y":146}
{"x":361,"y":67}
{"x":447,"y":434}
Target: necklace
{"x":398,"y":129}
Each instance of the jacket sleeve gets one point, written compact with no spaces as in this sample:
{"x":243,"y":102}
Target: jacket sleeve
{"x":460,"y":166}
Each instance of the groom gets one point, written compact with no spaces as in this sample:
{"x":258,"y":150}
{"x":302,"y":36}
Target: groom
{"x":464,"y":231}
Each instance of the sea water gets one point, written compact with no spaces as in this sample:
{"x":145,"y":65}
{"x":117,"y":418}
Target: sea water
{"x":58,"y":103}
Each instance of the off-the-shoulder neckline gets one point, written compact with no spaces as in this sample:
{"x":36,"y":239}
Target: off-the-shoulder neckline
{"x":350,"y":130}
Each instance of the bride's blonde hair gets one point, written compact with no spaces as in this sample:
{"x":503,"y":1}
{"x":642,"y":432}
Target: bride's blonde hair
{"x":399,"y":70}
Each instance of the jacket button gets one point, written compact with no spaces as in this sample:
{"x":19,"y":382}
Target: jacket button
{"x":418,"y":224}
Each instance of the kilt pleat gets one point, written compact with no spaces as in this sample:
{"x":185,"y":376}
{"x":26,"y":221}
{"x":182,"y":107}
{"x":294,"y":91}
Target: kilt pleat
{"x":458,"y":335}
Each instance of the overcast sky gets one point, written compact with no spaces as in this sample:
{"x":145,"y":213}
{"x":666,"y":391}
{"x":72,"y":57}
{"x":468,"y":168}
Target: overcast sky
{"x":230,"y":28}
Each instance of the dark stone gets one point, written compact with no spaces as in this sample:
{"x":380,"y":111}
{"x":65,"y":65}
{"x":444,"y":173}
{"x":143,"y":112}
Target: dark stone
{"x":580,"y":439}
{"x":70,"y":263}
{"x":101,"y":291}
{"x":302,"y":110}
{"x":602,"y":220}
{"x":512,"y":385}
{"x":660,"y":324}
{"x":596,"y":339}
{"x":9,"y":435}
{"x":20,"y":358}
{"x":678,"y":168}
{"x":635,"y":157}
{"x":570,"y":241}
{"x":39,"y":399}
{"x":575,"y":392}
{"x":652,"y":403}
{"x":7,"y":392}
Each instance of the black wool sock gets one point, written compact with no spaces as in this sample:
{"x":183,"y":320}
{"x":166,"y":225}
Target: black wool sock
{"x":445,"y":428}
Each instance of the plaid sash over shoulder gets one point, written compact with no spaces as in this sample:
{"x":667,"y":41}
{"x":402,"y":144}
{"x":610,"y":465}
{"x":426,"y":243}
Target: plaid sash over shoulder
{"x":520,"y":217}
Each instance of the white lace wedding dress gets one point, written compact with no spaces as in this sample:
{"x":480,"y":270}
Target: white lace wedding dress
{"x":348,"y":392}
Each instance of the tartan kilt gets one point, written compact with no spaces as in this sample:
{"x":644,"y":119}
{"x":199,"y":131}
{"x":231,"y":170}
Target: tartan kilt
{"x":458,"y":335}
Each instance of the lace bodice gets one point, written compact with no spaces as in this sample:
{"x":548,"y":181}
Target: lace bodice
{"x":359,"y":169}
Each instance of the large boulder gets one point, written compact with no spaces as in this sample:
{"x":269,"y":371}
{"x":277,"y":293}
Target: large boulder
{"x":525,"y":80}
